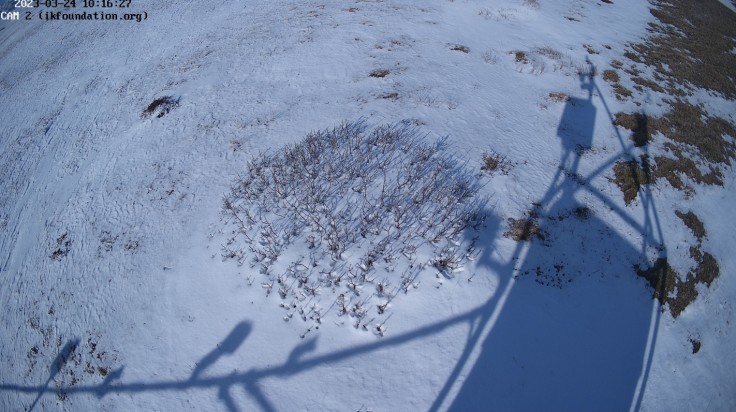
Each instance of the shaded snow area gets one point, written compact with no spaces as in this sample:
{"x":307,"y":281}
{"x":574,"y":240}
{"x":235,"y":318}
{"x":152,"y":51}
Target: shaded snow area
{"x":346,"y":206}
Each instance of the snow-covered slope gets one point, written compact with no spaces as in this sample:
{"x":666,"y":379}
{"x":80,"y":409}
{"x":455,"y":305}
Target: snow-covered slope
{"x":114,"y":290}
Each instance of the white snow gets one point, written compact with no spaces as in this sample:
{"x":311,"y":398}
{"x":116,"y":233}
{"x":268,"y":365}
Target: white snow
{"x":132,"y":208}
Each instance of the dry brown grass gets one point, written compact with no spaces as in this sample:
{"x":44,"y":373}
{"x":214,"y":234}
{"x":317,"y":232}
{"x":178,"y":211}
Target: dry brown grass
{"x":691,"y":126}
{"x":661,"y":277}
{"x":689,"y":47}
{"x":621,"y":92}
{"x":697,"y":143}
{"x":639,"y":124}
{"x":160,"y":107}
{"x":460,"y":48}
{"x":490,"y":163}
{"x":379,"y":73}
{"x":672,"y":170}
{"x":693,"y":223}
{"x":674,"y":292}
{"x":495,"y":163}
{"x":549,"y":52}
{"x":611,"y":76}
{"x":642,"y":83}
{"x":689,"y":34}
{"x":630,"y":177}
{"x":524,"y":230}
{"x":558,"y":97}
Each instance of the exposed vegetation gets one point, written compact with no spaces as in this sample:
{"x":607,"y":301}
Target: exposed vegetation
{"x":520,"y":57}
{"x":671,"y":290}
{"x":638,"y":123}
{"x":524,"y":229}
{"x":688,"y":34}
{"x":692,"y":221}
{"x":622,"y":93}
{"x":354,"y":205}
{"x":379,"y":73}
{"x":611,"y":76}
{"x":494,"y":162}
{"x":160,"y":107}
{"x":558,"y":97}
{"x":629,"y":177}
{"x":697,"y":143}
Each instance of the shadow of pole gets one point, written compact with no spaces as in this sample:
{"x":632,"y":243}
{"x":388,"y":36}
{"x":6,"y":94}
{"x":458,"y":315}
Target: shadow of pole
{"x":58,"y":363}
{"x":651,"y":223}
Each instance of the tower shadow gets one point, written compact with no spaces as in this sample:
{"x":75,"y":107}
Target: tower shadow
{"x":574,"y":332}
{"x":565,"y":330}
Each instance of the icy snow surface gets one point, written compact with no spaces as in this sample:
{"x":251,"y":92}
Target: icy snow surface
{"x":114,"y":290}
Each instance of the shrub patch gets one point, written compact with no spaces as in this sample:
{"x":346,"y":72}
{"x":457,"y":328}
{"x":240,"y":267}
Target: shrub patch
{"x":328,"y":220}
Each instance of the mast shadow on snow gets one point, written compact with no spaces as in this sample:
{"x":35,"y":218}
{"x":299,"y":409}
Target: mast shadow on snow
{"x":584,"y":339}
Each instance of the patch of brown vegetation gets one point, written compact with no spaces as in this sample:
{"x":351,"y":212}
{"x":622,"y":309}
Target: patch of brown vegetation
{"x":379,"y":73}
{"x":673,"y":292}
{"x":672,"y":170}
{"x":661,"y":277}
{"x":160,"y":107}
{"x":494,"y":162}
{"x":642,"y":83}
{"x":549,"y":52}
{"x":707,"y":269}
{"x":688,"y":35}
{"x":460,"y":48}
{"x":611,"y":76}
{"x":668,"y":286}
{"x":621,"y":92}
{"x":690,"y":125}
{"x":524,"y":230}
{"x":629,"y":177}
{"x":690,"y":46}
{"x":638,"y":123}
{"x":558,"y":97}
{"x":583,"y":212}
{"x":520,"y":57}
{"x":489,"y":163}
{"x":698,"y":143}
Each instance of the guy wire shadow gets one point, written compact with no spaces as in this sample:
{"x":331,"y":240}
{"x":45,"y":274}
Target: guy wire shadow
{"x":556,"y":346}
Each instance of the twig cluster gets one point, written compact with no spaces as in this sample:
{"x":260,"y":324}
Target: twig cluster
{"x":351,"y":206}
